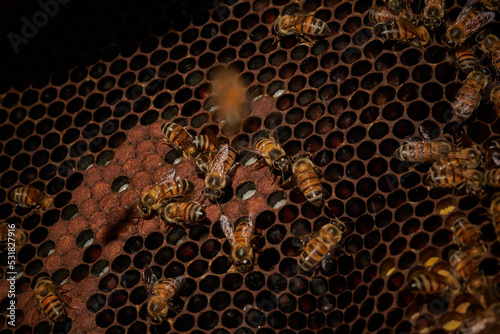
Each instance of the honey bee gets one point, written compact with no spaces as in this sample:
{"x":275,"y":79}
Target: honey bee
{"x":162,"y":293}
{"x":490,"y":44}
{"x":455,"y":176}
{"x":469,"y":95}
{"x":307,"y":179}
{"x":393,"y":4}
{"x":240,"y":239}
{"x":468,"y":21}
{"x":495,"y":212}
{"x":492,"y":178}
{"x":229,"y":92}
{"x":382,"y":14}
{"x":18,"y":237}
{"x":433,"y":14}
{"x":49,"y":300}
{"x":205,"y":142}
{"x":179,"y":139}
{"x":466,"y":59}
{"x":216,"y":176}
{"x":31,"y":197}
{"x":403,"y":30}
{"x":160,"y":194}
{"x":273,"y":154}
{"x":301,"y":25}
{"x":478,"y":320}
{"x":320,"y":246}
{"x":183,"y":212}
{"x":495,"y":98}
{"x":467,"y":271}
{"x":422,"y":150}
{"x":428,"y":283}
{"x":467,"y":236}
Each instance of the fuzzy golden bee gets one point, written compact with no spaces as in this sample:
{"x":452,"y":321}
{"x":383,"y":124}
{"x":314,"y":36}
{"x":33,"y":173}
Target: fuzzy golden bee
{"x":422,"y":150}
{"x":216,"y":177}
{"x":469,"y":95}
{"x":240,"y":238}
{"x":300,"y":25}
{"x":467,"y":236}
{"x":467,"y":271}
{"x":49,"y":300}
{"x":306,"y":177}
{"x":490,"y":44}
{"x":274,"y":155}
{"x":433,"y":14}
{"x":31,"y":197}
{"x":182,"y":212}
{"x":161,"y":294}
{"x":158,"y":196}
{"x":468,"y":21}
{"x":403,"y":30}
{"x":319,"y":247}
{"x":12,"y":235}
{"x":180,"y":140}
{"x":466,"y":59}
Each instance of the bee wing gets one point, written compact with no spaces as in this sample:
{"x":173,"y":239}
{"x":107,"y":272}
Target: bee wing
{"x":218,"y":162}
{"x":328,"y":260}
{"x":149,"y":277}
{"x":179,"y":282}
{"x":227,"y":228}
{"x":412,"y":140}
{"x":466,"y":9}
{"x":408,"y":25}
{"x":248,"y":229}
{"x":483,"y":19}
{"x":167,"y":176}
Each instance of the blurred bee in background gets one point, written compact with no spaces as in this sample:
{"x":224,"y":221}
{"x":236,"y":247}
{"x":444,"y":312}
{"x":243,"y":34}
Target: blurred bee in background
{"x":454,"y":176}
{"x":403,"y":30}
{"x":240,"y":238}
{"x":415,"y":150}
{"x":302,"y":26}
{"x":467,"y":236}
{"x":469,"y":95}
{"x":383,"y":14}
{"x":274,"y":155}
{"x":217,"y":177}
{"x":468,"y":21}
{"x":306,"y":177}
{"x":319,"y":246}
{"x":433,"y":14}
{"x":49,"y":300}
{"x":19,"y":237}
{"x":161,"y":294}
{"x":495,"y":212}
{"x":466,"y":59}
{"x":180,"y":140}
{"x":490,"y":44}
{"x":467,"y":271}
{"x":229,"y":95}
{"x":427,"y":283}
{"x":27,"y":197}
{"x":155,"y":198}
{"x":492,"y":178}
{"x":478,"y":320}
{"x":183,"y":212}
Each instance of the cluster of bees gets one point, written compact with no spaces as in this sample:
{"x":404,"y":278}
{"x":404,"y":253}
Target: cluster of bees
{"x":476,"y":302}
{"x":397,"y":22}
{"x":455,"y":165}
{"x":216,"y":160}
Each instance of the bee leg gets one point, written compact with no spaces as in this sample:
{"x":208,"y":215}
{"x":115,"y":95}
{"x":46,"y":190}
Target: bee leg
{"x":304,"y":39}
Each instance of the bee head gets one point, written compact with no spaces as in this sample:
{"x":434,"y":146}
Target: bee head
{"x":243,"y":259}
{"x":413,"y":284}
{"x":432,"y":24}
{"x":490,"y":40}
{"x":213,"y":194}
{"x":481,"y":36}
{"x":281,"y":163}
{"x":144,"y":210}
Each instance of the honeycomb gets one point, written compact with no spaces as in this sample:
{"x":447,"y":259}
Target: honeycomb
{"x":82,"y":106}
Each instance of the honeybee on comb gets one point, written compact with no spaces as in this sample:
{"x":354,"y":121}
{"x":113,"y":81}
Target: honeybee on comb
{"x":27,"y":197}
{"x":301,"y":25}
{"x":18,"y":237}
{"x":240,"y":238}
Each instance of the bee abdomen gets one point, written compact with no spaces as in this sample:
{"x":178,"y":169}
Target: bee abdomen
{"x":312,"y":255}
{"x":310,"y":25}
{"x":425,"y":284}
{"x":176,"y":135}
{"x":166,"y":288}
{"x":192,"y":211}
{"x":53,"y":308}
{"x":492,"y":178}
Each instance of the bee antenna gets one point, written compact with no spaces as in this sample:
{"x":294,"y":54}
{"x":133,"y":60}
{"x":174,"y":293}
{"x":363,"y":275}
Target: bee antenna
{"x":219,"y":207}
